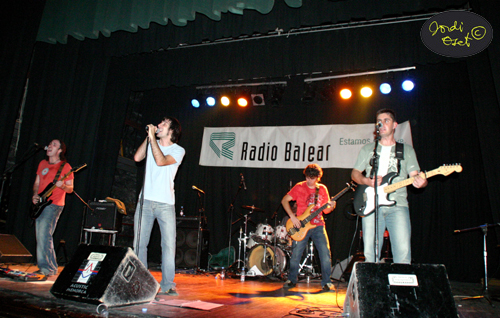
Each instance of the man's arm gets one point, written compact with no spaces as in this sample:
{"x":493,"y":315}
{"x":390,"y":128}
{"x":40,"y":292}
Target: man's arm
{"x":140,"y":153}
{"x":36,"y":185}
{"x":358,"y":177}
{"x":160,"y":158}
{"x":285,"y":202}
{"x":66,"y":186}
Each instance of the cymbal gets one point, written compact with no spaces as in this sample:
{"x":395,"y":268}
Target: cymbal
{"x":252,"y":208}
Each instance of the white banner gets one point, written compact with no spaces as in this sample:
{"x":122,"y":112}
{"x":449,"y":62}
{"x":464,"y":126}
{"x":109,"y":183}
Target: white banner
{"x":289,"y":147}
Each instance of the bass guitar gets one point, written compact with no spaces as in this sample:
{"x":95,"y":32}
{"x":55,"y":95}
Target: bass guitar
{"x":305,"y":218}
{"x":364,"y":198}
{"x":37,"y":209}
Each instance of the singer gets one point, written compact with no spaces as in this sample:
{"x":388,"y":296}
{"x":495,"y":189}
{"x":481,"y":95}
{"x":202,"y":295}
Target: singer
{"x":50,"y":171}
{"x":163,"y":157}
{"x":306,"y":193}
{"x":395,"y":218}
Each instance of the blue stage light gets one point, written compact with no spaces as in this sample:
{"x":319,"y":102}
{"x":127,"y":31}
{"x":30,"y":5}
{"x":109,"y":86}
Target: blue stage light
{"x":385,"y":88}
{"x":210,"y":101}
{"x":195,"y":103}
{"x":408,"y":85}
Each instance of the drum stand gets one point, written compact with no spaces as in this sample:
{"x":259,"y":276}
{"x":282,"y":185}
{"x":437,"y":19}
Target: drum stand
{"x":308,"y":269}
{"x":243,"y":238}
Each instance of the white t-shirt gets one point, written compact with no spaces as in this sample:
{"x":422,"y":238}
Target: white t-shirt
{"x":159,"y":183}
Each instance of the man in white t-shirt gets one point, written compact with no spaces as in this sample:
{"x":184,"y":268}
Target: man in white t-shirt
{"x":163,"y":157}
{"x":395,"y":218}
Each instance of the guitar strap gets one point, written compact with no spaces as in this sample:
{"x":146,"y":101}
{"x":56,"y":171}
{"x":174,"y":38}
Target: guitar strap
{"x":59,"y":172}
{"x":400,"y":154}
{"x":316,"y":195}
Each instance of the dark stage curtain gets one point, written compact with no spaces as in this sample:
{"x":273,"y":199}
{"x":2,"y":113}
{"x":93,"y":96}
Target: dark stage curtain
{"x":79,"y":92}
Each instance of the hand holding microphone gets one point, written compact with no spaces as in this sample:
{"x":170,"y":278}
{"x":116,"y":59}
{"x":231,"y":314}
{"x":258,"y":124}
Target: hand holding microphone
{"x":151,"y":130}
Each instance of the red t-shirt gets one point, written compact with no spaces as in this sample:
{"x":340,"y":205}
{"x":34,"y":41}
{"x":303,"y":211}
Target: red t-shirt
{"x":47,"y":173}
{"x":304,"y":196}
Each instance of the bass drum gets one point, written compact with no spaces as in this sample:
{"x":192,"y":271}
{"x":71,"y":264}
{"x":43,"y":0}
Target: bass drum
{"x":267,"y":259}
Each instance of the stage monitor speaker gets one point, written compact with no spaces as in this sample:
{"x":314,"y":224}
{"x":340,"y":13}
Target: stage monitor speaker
{"x":192,"y":244}
{"x":13,"y":251}
{"x":110,"y":275}
{"x":104,"y":216}
{"x":399,"y":290}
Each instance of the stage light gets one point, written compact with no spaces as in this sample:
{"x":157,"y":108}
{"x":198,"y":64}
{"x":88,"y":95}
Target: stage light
{"x":366,"y":91}
{"x":258,"y":100}
{"x":276,"y":92}
{"x":210,"y":101}
{"x":385,"y":88}
{"x":225,"y":101}
{"x":408,"y":85}
{"x":345,"y":93}
{"x":243,"y":102}
{"x":195,"y":103}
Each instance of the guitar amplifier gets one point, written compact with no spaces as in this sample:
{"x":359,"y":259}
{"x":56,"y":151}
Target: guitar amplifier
{"x":103,"y":216}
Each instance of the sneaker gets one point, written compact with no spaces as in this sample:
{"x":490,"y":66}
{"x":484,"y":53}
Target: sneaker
{"x":328,"y":287}
{"x":289,"y":284}
{"x":170,"y":292}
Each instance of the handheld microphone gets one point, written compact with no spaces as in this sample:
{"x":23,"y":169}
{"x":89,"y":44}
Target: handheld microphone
{"x":379,"y":125}
{"x":243,"y":181}
{"x":199,"y":190}
{"x":147,"y":129}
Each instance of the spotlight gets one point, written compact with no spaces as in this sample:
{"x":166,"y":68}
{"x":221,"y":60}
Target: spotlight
{"x":309,"y":92}
{"x":277,"y":95}
{"x":345,"y":93}
{"x":195,"y":103}
{"x":243,"y":102}
{"x":225,"y":101}
{"x":366,"y":91}
{"x":210,"y":101}
{"x":385,"y":88}
{"x":258,"y":99}
{"x":408,"y":85}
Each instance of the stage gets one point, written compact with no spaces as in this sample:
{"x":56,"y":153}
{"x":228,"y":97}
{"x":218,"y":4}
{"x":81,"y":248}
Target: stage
{"x":202,"y":294}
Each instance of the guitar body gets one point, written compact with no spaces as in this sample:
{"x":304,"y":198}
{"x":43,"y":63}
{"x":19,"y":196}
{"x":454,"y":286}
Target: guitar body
{"x":37,"y":209}
{"x":299,"y":234}
{"x":364,"y":198}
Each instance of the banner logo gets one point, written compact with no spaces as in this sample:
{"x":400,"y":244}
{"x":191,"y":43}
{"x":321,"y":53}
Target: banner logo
{"x":230,"y":137}
{"x":456,"y":33}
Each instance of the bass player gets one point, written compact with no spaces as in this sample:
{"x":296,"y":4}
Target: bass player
{"x":306,"y":193}
{"x":395,"y":218}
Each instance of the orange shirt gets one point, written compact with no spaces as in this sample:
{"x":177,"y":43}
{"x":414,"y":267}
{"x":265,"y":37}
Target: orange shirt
{"x":47,"y":173}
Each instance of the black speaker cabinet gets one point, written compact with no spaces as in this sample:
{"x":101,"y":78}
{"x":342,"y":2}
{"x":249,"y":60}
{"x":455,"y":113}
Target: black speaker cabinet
{"x":104,"y":216}
{"x":399,"y":290}
{"x":13,"y":251}
{"x":192,"y":244}
{"x":110,"y":275}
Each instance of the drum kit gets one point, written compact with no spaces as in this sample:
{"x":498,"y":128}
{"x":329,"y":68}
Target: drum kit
{"x":266,"y":250}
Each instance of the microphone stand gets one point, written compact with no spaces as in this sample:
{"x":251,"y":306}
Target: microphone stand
{"x":141,"y":202}
{"x":484,"y":228}
{"x":373,"y":174}
{"x":230,"y":211}
{"x":201,"y":217}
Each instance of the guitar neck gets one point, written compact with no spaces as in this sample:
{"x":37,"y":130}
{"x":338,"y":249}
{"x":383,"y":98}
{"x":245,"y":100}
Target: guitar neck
{"x":315,"y":214}
{"x":393,"y":187}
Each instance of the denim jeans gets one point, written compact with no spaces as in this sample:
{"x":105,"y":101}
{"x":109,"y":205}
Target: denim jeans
{"x":45,"y":226}
{"x":397,"y":221}
{"x":320,"y":239}
{"x":165,"y":215}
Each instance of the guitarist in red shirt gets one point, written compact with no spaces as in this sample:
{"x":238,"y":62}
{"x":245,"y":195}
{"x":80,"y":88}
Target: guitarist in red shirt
{"x":306,"y":193}
{"x":49,"y":173}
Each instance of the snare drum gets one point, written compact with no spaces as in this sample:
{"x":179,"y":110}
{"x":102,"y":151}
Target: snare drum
{"x":267,"y":259}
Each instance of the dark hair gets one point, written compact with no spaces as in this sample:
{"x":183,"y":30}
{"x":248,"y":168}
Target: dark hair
{"x":386,"y":111}
{"x":313,"y":170}
{"x":62,"y":155}
{"x":175,"y":126}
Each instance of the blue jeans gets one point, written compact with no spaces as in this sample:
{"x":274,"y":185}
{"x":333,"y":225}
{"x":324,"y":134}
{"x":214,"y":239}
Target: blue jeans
{"x":45,"y":226}
{"x":397,"y":221}
{"x":165,"y":215}
{"x":320,"y":239}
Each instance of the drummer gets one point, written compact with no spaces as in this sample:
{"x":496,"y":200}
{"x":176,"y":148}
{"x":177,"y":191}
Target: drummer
{"x":306,"y":193}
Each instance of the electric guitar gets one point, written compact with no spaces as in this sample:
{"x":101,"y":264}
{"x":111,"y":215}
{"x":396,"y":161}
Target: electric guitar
{"x":305,"y":218}
{"x":364,"y":198}
{"x":37,"y":209}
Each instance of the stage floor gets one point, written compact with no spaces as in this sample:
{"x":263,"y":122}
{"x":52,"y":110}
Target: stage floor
{"x":255,"y":297}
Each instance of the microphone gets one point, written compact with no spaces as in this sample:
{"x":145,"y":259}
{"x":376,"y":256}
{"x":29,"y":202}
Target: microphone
{"x":37,"y":146}
{"x":199,"y":190}
{"x":379,"y":125}
{"x":243,"y":181}
{"x":147,"y":129}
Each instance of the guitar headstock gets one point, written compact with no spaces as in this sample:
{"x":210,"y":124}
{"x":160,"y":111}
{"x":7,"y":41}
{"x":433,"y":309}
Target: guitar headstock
{"x":449,"y":169}
{"x":79,"y":167}
{"x":351,"y":185}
